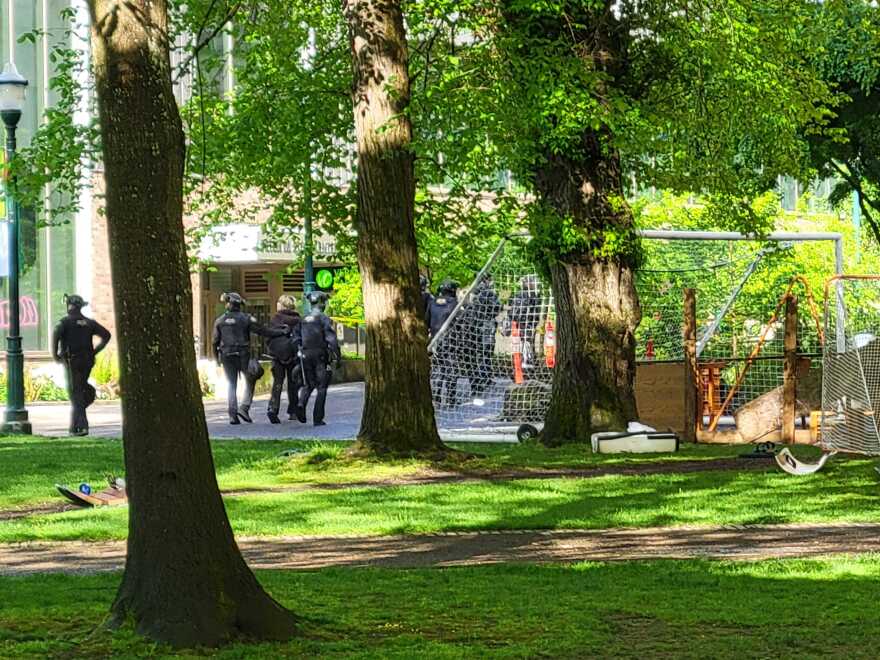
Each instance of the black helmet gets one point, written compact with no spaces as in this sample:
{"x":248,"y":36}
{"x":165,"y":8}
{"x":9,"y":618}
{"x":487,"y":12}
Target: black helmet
{"x":232,"y":298}
{"x":423,"y":282}
{"x":448,"y":288}
{"x":74,"y":299}
{"x":316,"y":297}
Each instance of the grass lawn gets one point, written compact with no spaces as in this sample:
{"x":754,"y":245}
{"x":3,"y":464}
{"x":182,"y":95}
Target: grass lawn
{"x":847,"y":490}
{"x":30,"y":466}
{"x":695,"y":609}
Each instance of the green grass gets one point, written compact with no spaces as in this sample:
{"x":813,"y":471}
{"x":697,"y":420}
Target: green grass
{"x":846,"y":491}
{"x":30,"y":466}
{"x":695,"y":609}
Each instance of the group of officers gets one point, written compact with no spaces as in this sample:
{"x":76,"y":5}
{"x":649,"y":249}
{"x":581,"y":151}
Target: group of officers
{"x":304,"y":351}
{"x":467,"y":346}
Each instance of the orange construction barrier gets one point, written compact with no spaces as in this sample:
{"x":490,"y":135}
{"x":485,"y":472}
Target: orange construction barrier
{"x":516,"y":343}
{"x":550,"y":344}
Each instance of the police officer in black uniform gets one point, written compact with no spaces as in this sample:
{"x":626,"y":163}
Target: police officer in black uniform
{"x":231,"y":340}
{"x":441,"y":307}
{"x":319,"y":350}
{"x":485,"y":308}
{"x":444,"y":377}
{"x":285,"y":360}
{"x":73,"y":344}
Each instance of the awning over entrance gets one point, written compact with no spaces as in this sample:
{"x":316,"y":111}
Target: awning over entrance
{"x":246,"y":244}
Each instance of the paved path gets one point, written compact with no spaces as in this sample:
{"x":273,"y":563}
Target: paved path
{"x":462,"y":549}
{"x":344,"y":405}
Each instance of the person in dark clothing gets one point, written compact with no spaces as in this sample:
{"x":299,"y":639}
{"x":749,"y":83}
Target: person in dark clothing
{"x":526,"y":310}
{"x":484,"y":309}
{"x":427,"y":298}
{"x":318,"y":351}
{"x":231,"y":341}
{"x":441,"y":307}
{"x":73,"y":345}
{"x":285,"y":360}
{"x":444,"y":374}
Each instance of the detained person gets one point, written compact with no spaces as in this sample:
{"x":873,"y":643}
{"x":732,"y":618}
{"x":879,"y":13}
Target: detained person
{"x":285,"y":360}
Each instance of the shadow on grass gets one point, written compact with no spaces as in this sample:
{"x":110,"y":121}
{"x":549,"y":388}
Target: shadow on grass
{"x":651,"y":609}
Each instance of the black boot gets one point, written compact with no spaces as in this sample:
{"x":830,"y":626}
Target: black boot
{"x":245,"y":415}
{"x":273,"y":417}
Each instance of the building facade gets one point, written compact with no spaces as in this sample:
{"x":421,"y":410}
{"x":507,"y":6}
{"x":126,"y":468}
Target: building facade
{"x":73,"y":254}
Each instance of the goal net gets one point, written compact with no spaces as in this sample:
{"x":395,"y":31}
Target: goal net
{"x":851,"y":365}
{"x":492,"y":363}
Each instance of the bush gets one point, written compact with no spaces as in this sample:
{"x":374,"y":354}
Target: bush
{"x":36,"y":388}
{"x":106,"y":375}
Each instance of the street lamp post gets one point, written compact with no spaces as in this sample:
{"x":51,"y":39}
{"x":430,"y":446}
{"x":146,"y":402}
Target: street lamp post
{"x":309,"y":284}
{"x":12,"y":94}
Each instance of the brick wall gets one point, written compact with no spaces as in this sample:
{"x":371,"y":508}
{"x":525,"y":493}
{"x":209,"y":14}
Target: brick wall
{"x":101,"y":303}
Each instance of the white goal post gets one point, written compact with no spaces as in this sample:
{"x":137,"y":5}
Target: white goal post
{"x":492,"y":361}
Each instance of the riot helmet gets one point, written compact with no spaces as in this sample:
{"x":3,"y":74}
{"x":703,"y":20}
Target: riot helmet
{"x":317,"y":299}
{"x":449,"y":288}
{"x":74,"y":302}
{"x":423,"y":282}
{"x":233,"y":301}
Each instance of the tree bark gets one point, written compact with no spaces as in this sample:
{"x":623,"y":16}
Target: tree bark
{"x":185,"y":581}
{"x":596,"y":301}
{"x":398,"y":415}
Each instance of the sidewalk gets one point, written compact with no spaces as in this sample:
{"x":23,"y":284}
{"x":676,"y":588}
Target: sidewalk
{"x":344,"y":406}
{"x":464,"y":549}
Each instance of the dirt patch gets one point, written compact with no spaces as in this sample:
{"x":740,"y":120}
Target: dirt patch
{"x":475,"y":548}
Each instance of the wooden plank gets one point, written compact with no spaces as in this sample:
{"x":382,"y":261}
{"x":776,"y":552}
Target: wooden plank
{"x":691,"y":395}
{"x":733,"y":437}
{"x":789,"y":373}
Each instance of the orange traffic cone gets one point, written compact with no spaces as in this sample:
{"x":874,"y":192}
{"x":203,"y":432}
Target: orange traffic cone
{"x":550,"y":344}
{"x":516,"y":344}
{"x":649,"y":349}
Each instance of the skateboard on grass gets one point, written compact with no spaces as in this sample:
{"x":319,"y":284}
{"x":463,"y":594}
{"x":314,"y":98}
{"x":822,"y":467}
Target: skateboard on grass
{"x":113,"y":495}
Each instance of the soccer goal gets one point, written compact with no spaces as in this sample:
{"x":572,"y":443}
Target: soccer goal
{"x":851,"y":365}
{"x":493,"y":361}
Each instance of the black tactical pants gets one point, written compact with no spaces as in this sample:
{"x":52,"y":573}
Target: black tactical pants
{"x":233,"y":365}
{"x":316,"y":375}
{"x":445,"y":370}
{"x":81,"y":394}
{"x":482,"y":376}
{"x":293,"y":375}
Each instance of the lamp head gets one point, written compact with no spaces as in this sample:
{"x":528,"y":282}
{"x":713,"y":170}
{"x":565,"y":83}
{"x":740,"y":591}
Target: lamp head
{"x":13,"y":88}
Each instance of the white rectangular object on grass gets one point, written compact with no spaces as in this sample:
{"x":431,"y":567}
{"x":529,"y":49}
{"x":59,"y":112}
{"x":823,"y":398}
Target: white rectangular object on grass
{"x":612,"y":442}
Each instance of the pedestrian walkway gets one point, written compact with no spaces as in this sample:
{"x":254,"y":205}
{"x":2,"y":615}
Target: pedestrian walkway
{"x":473,"y":548}
{"x":345,"y":403}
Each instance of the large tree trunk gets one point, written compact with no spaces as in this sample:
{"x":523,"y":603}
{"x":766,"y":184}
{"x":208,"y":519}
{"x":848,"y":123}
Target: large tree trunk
{"x":185,"y":581}
{"x":596,"y":302}
{"x":398,"y":413}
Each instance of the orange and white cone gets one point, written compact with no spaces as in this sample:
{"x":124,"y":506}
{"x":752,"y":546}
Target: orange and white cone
{"x":550,"y":344}
{"x":516,"y":343}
